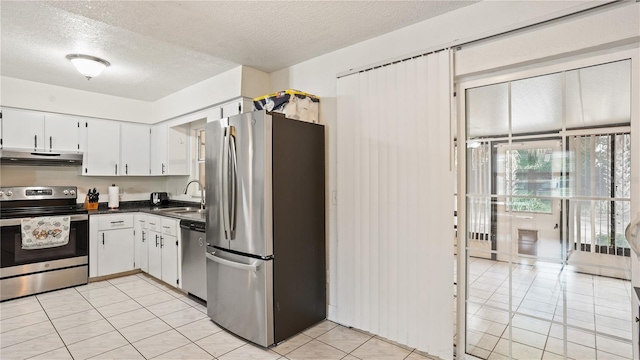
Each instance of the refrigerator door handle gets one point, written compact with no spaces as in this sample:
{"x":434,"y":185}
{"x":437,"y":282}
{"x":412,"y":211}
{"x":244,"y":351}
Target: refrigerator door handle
{"x":252,"y":267}
{"x":233,"y":183}
{"x":224,"y":182}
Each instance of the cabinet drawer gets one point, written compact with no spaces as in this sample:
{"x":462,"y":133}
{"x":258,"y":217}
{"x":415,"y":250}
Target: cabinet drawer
{"x":141,"y":221}
{"x":154,"y":223}
{"x":110,"y":222}
{"x":170,"y":226}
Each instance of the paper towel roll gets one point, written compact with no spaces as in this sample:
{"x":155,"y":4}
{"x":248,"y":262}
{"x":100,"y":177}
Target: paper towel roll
{"x":114,"y":196}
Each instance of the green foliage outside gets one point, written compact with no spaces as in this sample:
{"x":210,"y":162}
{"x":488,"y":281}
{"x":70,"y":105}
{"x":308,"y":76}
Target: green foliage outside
{"x":531,"y":173}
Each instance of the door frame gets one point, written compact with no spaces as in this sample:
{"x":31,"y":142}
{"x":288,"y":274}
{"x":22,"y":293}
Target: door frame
{"x":543,"y":68}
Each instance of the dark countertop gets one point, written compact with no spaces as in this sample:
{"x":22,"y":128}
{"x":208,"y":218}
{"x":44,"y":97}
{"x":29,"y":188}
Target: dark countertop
{"x":144,"y":206}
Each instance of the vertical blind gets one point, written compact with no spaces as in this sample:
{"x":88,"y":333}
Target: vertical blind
{"x":395,"y":203}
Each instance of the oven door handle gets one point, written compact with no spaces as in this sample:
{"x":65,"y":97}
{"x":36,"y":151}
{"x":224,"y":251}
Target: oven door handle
{"x":13,"y":222}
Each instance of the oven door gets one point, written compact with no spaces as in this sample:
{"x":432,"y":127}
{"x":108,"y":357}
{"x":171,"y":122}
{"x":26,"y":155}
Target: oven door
{"x":15,"y":261}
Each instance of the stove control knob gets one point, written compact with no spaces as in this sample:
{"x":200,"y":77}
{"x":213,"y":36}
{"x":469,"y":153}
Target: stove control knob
{"x":9,"y":193}
{"x":1,"y":193}
{"x":72,"y":192}
{"x":65,"y":191}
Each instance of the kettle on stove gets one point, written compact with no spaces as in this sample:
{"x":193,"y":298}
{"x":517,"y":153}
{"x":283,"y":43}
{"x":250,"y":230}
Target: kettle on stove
{"x":159,"y":198}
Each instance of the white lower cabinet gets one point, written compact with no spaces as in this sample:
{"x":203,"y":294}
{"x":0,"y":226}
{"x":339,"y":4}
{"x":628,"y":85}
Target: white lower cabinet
{"x":115,"y":251}
{"x":124,"y":242}
{"x":111,"y":244}
{"x":155,"y":254}
{"x":170,"y":260}
{"x":163,"y":247}
{"x":141,"y":236}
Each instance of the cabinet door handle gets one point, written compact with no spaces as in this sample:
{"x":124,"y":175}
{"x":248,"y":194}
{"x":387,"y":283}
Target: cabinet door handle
{"x":126,"y":169}
{"x":156,"y":240}
{"x":161,"y":241}
{"x":102,"y":238}
{"x":50,"y":142}
{"x":116,"y":169}
{"x":143,"y":236}
{"x":163,"y":168}
{"x":35,"y":142}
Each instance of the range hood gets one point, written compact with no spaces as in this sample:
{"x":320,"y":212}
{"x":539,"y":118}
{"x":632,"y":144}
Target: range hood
{"x":31,"y":157}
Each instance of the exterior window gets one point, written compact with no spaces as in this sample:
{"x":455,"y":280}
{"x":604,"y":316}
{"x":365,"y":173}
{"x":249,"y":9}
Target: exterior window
{"x":529,"y":173}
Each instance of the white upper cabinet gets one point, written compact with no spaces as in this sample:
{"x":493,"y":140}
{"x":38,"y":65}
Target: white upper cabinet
{"x":169,"y":150}
{"x":178,"y":150}
{"x":102,"y":152}
{"x":232,"y":108}
{"x":23,"y":129}
{"x":39,"y":131}
{"x":134,"y":150}
{"x":159,"y":149}
{"x":61,"y":133}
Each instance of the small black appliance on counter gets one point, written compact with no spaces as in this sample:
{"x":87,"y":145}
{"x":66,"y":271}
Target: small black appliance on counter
{"x":159,"y":198}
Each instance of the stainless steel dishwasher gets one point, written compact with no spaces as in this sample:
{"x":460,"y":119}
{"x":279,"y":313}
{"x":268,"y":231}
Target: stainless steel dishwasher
{"x":194,"y":261}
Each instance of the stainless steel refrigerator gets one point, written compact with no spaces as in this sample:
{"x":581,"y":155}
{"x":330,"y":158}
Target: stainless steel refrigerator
{"x":265,"y":226}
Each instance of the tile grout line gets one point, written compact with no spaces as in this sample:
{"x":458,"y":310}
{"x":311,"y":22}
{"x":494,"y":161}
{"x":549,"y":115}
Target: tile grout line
{"x":170,"y":326}
{"x":96,"y":309}
{"x":189,"y":306}
{"x":57,"y":333}
{"x":346,"y":353}
{"x":156,"y":316}
{"x":509,"y":311}
{"x":103,"y":318}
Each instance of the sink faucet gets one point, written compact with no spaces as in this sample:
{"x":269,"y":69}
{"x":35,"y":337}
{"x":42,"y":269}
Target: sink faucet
{"x":201,"y":192}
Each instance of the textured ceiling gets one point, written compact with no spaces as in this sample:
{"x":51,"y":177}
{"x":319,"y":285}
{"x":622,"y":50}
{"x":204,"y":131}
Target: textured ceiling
{"x":159,"y":47}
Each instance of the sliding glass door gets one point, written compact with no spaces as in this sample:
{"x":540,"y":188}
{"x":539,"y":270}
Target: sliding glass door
{"x":547,"y":196}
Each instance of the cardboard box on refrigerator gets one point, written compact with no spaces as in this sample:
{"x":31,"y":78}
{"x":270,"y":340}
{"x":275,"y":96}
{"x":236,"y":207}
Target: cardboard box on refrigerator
{"x":294,"y":104}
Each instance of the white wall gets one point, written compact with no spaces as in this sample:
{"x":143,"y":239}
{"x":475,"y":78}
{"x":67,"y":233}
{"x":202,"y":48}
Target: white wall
{"x":57,"y":99}
{"x":318,"y":75}
{"x":242,"y":81}
{"x":131,"y":188}
{"x":206,"y":93}
{"x":615,"y":26}
{"x":255,"y":83}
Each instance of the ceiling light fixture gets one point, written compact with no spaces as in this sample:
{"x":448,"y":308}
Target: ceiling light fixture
{"x":87,"y":65}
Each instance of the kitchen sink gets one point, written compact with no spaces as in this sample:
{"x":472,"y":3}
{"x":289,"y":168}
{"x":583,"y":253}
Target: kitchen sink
{"x":191,"y":211}
{"x":178,"y":209}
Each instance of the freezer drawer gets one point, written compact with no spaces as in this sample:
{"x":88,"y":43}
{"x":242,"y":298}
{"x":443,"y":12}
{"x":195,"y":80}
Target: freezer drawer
{"x":240,"y":295}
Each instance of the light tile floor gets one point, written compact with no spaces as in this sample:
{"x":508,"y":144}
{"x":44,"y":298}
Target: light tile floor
{"x":135,"y":317}
{"x":597,"y":311}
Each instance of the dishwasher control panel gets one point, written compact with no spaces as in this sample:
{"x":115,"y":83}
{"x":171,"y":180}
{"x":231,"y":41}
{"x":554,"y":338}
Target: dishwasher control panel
{"x":193,"y":225}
